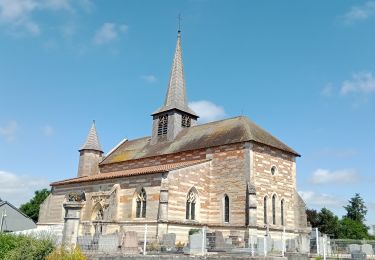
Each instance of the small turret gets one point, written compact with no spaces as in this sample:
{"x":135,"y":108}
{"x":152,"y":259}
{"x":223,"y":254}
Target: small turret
{"x":90,"y":155}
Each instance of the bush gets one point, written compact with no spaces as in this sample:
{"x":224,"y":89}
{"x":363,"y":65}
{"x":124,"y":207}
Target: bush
{"x":63,"y":254}
{"x":193,"y":231}
{"x":14,"y":247}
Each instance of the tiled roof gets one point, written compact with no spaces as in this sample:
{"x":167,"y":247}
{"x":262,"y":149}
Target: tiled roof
{"x":131,"y":172}
{"x":223,"y":132}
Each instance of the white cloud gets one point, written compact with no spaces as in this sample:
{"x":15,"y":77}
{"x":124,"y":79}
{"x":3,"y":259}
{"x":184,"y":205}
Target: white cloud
{"x":313,"y":198}
{"x":360,"y":13}
{"x":327,"y":91}
{"x":16,"y":13}
{"x":207,"y":110}
{"x":124,"y":28}
{"x":149,"y":78}
{"x":18,"y":189}
{"x":109,"y":32}
{"x":323,"y":176}
{"x":9,"y":131}
{"x":48,"y":130}
{"x":19,"y":14}
{"x":57,"y":5}
{"x":362,"y":82}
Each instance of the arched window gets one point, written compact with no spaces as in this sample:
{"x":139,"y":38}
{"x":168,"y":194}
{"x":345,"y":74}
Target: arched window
{"x":282,"y":212}
{"x":191,"y":200}
{"x":265,"y":210}
{"x":226,"y":208}
{"x":274,"y":209}
{"x":141,"y":204}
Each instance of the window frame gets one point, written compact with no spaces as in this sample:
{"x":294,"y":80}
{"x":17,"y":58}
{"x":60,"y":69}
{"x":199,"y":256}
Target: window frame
{"x":191,"y":202}
{"x":265,"y":209}
{"x":282,"y":212}
{"x":273,"y":209}
{"x":141,"y":204}
{"x":226,"y":211}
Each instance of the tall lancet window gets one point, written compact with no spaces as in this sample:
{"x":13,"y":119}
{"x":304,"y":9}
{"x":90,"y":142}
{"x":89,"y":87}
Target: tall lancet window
{"x":265,"y":210}
{"x":186,"y":121}
{"x":226,"y":208}
{"x":141,"y":204}
{"x":282,"y":212}
{"x":274,"y":209}
{"x":191,"y":200}
{"x":163,"y":125}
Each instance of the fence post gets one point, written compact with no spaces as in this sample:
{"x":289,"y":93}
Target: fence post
{"x":203,"y":240}
{"x":265,"y":245}
{"x":283,"y":242}
{"x":252,"y":245}
{"x":145,"y":241}
{"x":324,"y":248}
{"x":317,"y":241}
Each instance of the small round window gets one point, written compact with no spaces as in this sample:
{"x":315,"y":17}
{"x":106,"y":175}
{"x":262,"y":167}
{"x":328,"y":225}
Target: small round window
{"x":273,"y":170}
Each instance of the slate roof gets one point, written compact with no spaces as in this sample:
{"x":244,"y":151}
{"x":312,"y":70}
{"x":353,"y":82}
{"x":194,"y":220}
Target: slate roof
{"x":92,"y":140}
{"x":3,"y":202}
{"x":228,"y":131}
{"x":131,"y":172}
{"x":176,"y":94}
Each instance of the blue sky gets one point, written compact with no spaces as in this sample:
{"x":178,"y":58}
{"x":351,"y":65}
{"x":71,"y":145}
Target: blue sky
{"x":303,"y":70}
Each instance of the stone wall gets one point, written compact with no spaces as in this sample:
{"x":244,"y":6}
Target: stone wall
{"x":230,"y":169}
{"x":282,"y":183}
{"x":121,"y":203}
{"x":52,"y":210}
{"x":88,"y":162}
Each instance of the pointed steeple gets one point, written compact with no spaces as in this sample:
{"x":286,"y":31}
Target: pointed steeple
{"x":90,"y":155}
{"x":176,"y":93}
{"x":92,"y":140}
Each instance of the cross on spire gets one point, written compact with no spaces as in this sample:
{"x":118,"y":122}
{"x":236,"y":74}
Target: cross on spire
{"x":179,"y":22}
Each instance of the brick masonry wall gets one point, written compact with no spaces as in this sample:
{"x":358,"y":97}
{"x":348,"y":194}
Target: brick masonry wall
{"x":228,"y":177}
{"x":283,"y":183}
{"x":123,"y":210}
{"x":228,"y":172}
{"x":225,"y":174}
{"x":179,"y":183}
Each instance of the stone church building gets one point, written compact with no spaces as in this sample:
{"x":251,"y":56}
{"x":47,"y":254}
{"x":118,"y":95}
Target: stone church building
{"x":229,"y":175}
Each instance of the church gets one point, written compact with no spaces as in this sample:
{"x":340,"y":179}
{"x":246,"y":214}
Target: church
{"x":229,"y":175}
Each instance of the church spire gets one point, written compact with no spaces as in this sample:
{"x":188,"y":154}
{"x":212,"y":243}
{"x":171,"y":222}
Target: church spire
{"x":92,"y":140}
{"x":175,"y":114}
{"x":176,"y":93}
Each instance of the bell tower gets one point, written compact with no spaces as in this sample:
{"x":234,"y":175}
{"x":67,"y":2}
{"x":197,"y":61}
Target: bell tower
{"x":175,"y":114}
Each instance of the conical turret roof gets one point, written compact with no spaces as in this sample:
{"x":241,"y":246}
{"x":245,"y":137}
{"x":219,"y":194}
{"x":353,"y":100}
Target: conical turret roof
{"x":92,"y":140}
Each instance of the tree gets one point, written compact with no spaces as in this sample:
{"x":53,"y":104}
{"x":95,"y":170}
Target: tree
{"x":356,"y":209}
{"x":312,"y":217}
{"x":31,"y":208}
{"x":328,"y":223}
{"x":352,"y":229}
